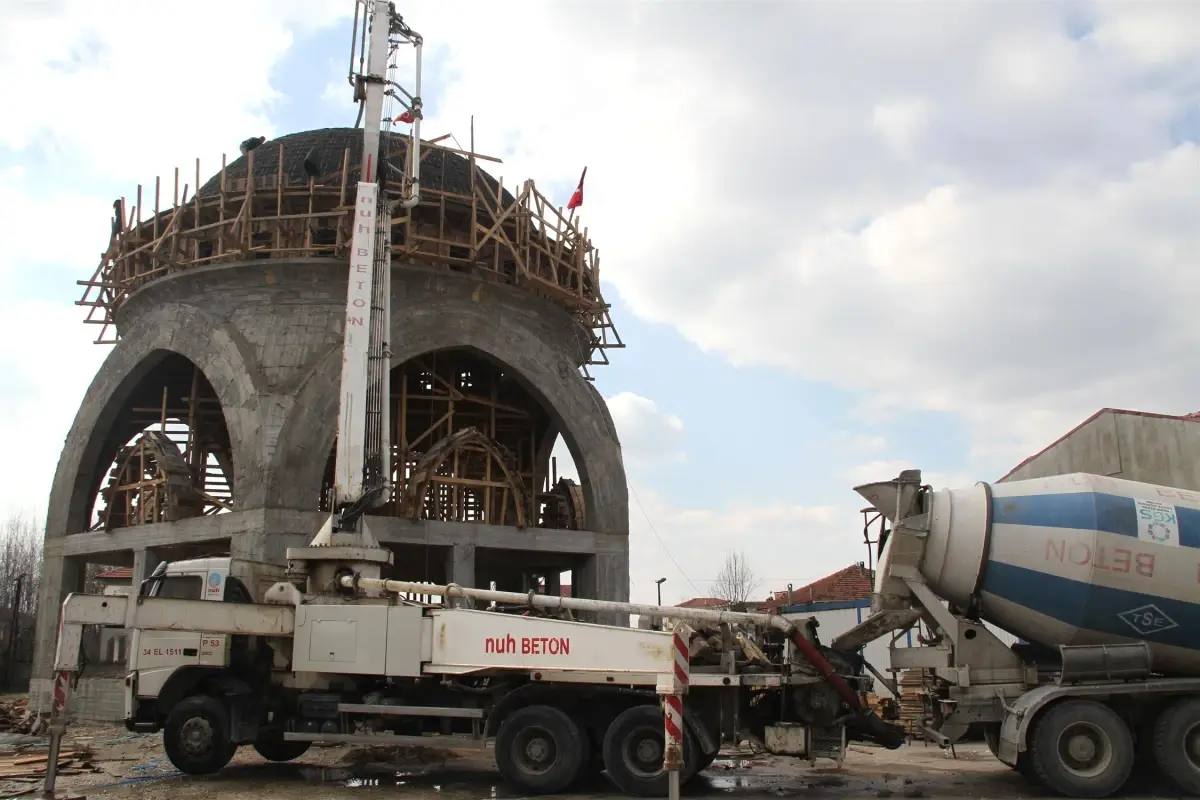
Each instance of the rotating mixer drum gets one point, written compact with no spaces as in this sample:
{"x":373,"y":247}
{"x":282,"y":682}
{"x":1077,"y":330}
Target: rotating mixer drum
{"x":1065,"y":560}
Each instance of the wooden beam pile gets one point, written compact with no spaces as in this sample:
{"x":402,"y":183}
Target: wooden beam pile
{"x":912,"y":701}
{"x":25,"y":768}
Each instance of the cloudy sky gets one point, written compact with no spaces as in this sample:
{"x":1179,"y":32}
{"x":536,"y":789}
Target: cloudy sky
{"x":840,"y":238}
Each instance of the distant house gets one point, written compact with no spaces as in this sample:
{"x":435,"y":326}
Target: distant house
{"x":846,"y":588}
{"x":703,"y":602}
{"x":117,"y":581}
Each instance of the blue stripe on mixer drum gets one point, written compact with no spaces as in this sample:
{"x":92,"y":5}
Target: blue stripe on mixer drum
{"x":1087,"y":511}
{"x":1097,"y":608}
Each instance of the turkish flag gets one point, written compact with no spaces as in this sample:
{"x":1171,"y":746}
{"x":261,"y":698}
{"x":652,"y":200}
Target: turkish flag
{"x":405,"y":117}
{"x":577,"y":198}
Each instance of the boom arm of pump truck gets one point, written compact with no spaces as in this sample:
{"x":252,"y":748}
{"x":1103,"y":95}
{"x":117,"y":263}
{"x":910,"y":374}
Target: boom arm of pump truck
{"x":362,"y":477}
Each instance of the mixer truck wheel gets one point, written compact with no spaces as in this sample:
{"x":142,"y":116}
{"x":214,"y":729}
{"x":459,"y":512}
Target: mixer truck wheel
{"x":1176,"y":744}
{"x":539,"y":749}
{"x":1081,"y":748}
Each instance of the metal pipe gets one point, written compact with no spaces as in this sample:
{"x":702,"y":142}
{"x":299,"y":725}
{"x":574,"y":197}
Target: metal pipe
{"x":570,"y":603}
{"x":417,"y":112}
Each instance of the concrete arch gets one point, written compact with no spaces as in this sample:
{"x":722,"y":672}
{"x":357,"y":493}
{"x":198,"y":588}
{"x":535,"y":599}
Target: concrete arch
{"x":173,"y":328}
{"x":458,"y":313}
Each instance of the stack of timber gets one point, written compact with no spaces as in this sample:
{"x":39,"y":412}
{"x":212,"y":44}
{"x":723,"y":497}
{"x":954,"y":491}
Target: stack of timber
{"x":22,"y":768}
{"x":912,"y":701}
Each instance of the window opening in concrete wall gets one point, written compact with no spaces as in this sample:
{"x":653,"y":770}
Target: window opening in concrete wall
{"x":560,"y":503}
{"x":471,"y":444}
{"x":172,"y":455}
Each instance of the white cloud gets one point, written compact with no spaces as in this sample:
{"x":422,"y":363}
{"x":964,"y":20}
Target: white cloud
{"x":860,"y":443}
{"x":959,"y":208}
{"x":647,"y":433}
{"x":887,"y":469}
{"x":131,"y":89}
{"x":47,"y":363}
{"x":782,"y":543}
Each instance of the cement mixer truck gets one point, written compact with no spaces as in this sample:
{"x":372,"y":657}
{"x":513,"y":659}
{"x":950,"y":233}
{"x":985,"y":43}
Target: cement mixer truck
{"x":1100,"y":579}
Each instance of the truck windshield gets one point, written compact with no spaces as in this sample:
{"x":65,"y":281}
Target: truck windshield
{"x":179,"y":587}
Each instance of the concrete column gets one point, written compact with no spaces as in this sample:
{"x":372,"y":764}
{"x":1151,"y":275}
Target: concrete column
{"x":604,"y":576}
{"x":553,"y":582}
{"x":60,"y":577}
{"x":460,"y":564}
{"x":144,"y":562}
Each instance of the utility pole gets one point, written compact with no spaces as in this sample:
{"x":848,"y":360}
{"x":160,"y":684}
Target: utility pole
{"x":659,"y":622}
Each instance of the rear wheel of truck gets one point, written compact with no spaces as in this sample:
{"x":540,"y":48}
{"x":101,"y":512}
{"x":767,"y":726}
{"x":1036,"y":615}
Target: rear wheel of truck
{"x":1176,"y":744}
{"x":633,"y":752}
{"x":273,"y":747}
{"x":1081,"y":748}
{"x":991,"y":735}
{"x":539,"y":749}
{"x":196,"y":736}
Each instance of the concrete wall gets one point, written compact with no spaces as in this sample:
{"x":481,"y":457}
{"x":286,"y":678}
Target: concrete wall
{"x":267,"y":335}
{"x":1137,"y":447}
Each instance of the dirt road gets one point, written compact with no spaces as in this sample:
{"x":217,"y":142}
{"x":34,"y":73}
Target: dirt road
{"x":133,"y":766}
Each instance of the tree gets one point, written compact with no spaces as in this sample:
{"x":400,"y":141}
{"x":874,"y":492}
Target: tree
{"x":21,"y":541}
{"x":735,"y":582}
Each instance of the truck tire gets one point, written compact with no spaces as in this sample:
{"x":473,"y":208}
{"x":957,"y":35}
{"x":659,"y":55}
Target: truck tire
{"x":196,"y":736}
{"x":1176,"y":744}
{"x":633,"y":752}
{"x":539,"y":749}
{"x":1081,"y":748}
{"x":273,"y":747}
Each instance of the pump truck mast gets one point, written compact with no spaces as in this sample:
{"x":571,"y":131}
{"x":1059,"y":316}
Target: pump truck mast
{"x":329,"y":651}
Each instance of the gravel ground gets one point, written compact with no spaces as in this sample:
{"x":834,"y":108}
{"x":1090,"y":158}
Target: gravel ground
{"x":133,"y":766}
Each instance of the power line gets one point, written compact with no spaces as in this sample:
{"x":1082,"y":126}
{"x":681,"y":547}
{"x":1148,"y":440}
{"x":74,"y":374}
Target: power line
{"x":663,"y":544}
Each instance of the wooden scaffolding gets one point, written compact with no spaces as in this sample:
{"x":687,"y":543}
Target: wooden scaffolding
{"x":519,"y":239}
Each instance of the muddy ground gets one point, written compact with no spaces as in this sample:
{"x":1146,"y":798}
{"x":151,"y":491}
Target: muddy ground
{"x":133,"y":766}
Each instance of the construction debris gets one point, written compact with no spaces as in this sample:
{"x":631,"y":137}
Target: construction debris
{"x":24,"y":768}
{"x":15,"y":717}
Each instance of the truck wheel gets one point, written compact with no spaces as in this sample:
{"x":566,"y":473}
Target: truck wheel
{"x":1176,"y":744}
{"x":991,"y":735}
{"x":273,"y":747}
{"x":196,"y":736}
{"x":633,"y":752}
{"x":1081,"y":748}
{"x":539,"y":749}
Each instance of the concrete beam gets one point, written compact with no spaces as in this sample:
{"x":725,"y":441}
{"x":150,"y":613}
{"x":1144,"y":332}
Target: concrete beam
{"x":245,"y":529}
{"x":141,"y":537}
{"x":390,"y":530}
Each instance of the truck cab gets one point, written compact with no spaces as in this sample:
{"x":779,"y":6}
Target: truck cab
{"x":220,"y":579}
{"x":157,"y":656}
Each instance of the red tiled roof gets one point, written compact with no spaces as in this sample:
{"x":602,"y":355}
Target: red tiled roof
{"x":1193,"y":417}
{"x":855,"y":582}
{"x":702,"y":602}
{"x":116,"y":574}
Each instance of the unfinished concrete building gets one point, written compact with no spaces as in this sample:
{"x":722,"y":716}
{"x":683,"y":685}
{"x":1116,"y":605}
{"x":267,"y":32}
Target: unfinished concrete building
{"x":1134,"y":445}
{"x":210,"y":427}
